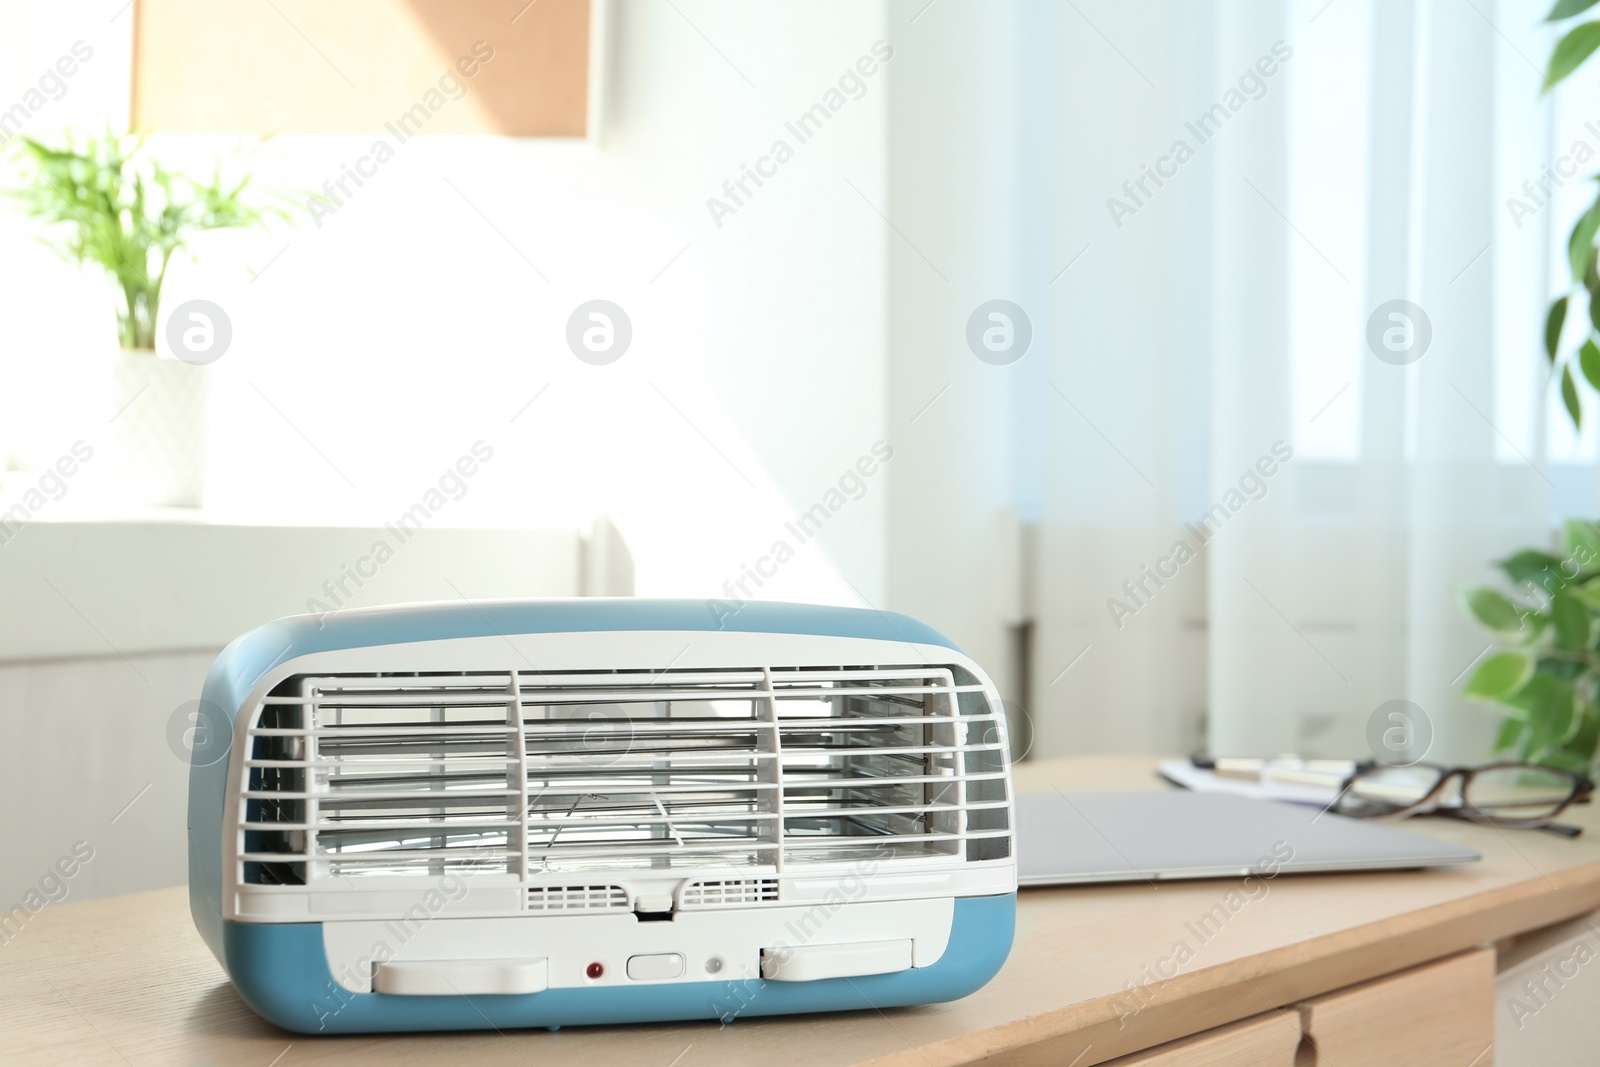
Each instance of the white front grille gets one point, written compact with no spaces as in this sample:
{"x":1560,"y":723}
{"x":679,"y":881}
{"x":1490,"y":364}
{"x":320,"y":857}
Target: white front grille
{"x":731,"y":777}
{"x":729,"y":891}
{"x":577,"y":898}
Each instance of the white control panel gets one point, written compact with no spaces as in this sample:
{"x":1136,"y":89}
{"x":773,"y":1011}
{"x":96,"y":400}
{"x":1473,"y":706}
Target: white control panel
{"x":792,"y":942}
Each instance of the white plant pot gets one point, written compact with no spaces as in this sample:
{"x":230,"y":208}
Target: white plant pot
{"x":158,"y":430}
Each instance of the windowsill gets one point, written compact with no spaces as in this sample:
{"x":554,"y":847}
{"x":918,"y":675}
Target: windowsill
{"x":90,"y":583}
{"x":66,"y":511}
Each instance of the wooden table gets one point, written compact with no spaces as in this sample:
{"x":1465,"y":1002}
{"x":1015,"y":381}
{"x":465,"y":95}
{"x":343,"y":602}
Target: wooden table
{"x":127,"y":980}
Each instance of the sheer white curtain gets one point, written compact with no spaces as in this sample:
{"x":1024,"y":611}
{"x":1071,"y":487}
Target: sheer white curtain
{"x":1127,"y":393}
{"x":1364,"y":153}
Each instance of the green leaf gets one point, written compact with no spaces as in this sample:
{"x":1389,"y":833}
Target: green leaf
{"x":1494,"y":610}
{"x":1538,"y":697}
{"x":1510,"y":730}
{"x":1569,"y":54}
{"x":1500,"y":676}
{"x":1552,"y":715}
{"x":1588,"y":593}
{"x":1583,"y":543}
{"x":1572,"y":623}
{"x":1566,"y":760}
{"x":1587,"y":737}
{"x":1552,"y":327}
{"x":1560,"y":669}
{"x":1581,"y":243}
{"x":1565,"y":9}
{"x":1534,"y":624}
{"x":1589,"y":362}
{"x":1578,"y":713}
{"x":1530,"y":567}
{"x":1569,"y":396}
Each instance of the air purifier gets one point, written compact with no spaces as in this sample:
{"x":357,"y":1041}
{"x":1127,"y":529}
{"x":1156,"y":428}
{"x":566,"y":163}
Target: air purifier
{"x":548,"y":813}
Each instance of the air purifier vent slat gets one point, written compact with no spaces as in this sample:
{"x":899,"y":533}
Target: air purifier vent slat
{"x":423,"y":731}
{"x":577,"y":898}
{"x":728,"y":892}
{"x":628,"y":770}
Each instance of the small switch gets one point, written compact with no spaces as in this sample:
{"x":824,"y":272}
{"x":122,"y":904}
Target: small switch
{"x":655,"y":967}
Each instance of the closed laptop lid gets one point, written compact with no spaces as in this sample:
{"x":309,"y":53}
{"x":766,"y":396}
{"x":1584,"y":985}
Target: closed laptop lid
{"x":1116,"y":837}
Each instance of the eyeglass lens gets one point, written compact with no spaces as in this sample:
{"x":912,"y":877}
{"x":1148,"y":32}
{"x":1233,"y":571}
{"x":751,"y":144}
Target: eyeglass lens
{"x":1383,"y":790}
{"x":1512,"y":793}
{"x":1516,"y":793}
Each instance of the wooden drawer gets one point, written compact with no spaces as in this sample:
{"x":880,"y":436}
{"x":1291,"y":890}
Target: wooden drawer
{"x":1268,"y":1040}
{"x":1439,"y":1013}
{"x":1547,"y":996}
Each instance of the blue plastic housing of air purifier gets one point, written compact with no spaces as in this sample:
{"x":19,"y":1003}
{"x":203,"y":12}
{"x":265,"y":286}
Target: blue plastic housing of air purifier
{"x":281,"y":970}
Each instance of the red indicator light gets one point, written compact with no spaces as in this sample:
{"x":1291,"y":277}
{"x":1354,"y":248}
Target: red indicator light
{"x":595,"y":970}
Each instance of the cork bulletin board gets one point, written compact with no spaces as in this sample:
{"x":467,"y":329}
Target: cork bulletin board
{"x":508,"y":67}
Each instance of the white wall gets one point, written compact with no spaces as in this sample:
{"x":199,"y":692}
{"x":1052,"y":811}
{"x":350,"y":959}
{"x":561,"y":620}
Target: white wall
{"x":87,"y":759}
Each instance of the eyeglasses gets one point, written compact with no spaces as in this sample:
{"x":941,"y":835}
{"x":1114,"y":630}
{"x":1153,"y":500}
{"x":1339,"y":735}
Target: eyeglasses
{"x":1499,"y":794}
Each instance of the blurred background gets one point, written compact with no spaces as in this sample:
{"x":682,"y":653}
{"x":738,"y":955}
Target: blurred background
{"x":1184,"y":363}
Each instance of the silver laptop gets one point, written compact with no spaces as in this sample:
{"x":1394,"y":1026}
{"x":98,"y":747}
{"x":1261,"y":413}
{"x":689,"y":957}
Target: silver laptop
{"x":1123,"y":837}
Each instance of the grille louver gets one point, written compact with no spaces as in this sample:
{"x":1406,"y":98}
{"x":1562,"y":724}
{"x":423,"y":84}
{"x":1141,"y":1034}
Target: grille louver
{"x":734,"y":776}
{"x":730,"y":891}
{"x":577,"y":898}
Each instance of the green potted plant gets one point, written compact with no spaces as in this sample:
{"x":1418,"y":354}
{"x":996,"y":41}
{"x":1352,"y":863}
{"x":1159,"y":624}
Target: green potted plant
{"x":104,"y":201}
{"x":1546,"y":677}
